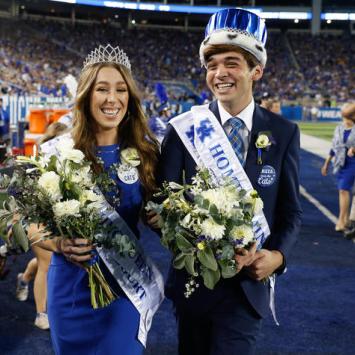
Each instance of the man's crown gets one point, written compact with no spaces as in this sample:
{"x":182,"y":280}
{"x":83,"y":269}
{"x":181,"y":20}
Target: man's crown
{"x":107,"y":54}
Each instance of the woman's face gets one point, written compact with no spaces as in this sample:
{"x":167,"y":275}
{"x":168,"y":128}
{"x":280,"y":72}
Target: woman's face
{"x":109,"y":99}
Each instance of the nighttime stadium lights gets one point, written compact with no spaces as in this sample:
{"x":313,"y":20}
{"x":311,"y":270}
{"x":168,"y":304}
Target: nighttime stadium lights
{"x":188,"y":9}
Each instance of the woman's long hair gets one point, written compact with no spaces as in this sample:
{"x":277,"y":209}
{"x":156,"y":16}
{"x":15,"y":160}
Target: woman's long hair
{"x":133,"y":130}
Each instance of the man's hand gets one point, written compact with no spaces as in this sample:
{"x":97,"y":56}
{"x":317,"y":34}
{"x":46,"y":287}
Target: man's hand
{"x":264,"y":264}
{"x":244,"y":257}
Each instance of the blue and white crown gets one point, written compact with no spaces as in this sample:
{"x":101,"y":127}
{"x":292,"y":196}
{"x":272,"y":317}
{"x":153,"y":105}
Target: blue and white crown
{"x":237,"y":27}
{"x":107,"y":54}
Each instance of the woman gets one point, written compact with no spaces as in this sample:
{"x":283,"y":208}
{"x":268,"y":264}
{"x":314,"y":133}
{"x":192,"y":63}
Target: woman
{"x":343,"y":167}
{"x":108,"y":118}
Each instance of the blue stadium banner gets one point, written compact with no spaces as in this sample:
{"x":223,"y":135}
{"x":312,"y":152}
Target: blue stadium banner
{"x":18,"y":107}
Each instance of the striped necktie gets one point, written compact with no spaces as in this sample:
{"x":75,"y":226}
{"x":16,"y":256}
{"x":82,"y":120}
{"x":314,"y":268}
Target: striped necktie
{"x":235,"y":137}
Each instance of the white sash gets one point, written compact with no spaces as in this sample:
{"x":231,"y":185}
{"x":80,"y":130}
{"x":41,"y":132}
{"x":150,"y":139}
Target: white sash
{"x":137,"y":276}
{"x":206,"y":141}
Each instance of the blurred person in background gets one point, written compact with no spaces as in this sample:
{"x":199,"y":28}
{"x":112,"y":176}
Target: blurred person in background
{"x":343,"y":159}
{"x":272,"y":104}
{"x":348,"y":110}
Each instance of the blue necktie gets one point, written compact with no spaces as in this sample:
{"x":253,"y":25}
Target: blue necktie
{"x":235,"y":137}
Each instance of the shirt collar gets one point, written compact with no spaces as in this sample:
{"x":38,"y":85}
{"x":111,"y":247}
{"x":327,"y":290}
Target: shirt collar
{"x":245,"y":115}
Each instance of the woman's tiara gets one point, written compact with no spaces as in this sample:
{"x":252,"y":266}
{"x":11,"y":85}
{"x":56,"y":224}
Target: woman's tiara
{"x":107,"y":54}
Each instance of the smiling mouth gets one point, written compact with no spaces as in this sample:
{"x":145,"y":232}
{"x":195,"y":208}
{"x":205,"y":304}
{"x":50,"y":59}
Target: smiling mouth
{"x":224,"y":85}
{"x":110,"y":112}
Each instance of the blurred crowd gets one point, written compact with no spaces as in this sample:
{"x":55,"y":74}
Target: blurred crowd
{"x":36,"y":55}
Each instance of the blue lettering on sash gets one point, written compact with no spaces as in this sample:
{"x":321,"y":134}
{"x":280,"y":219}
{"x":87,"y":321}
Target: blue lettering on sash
{"x":190,"y":134}
{"x":134,"y":283}
{"x":205,"y":129}
{"x":143,"y":267}
{"x":216,"y":150}
{"x":222,"y":163}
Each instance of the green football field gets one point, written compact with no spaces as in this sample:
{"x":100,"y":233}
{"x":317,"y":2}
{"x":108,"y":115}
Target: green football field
{"x":322,"y":130}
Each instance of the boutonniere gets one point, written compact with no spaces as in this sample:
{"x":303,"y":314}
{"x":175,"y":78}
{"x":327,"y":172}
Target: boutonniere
{"x":263,"y":142}
{"x":127,"y":171}
{"x":130,"y":156}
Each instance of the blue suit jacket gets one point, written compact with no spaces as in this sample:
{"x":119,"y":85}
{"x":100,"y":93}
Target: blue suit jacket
{"x":281,"y":199}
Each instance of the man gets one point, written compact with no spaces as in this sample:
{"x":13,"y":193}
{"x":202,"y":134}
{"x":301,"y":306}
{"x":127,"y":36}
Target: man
{"x":227,"y":320}
{"x":273,"y":105}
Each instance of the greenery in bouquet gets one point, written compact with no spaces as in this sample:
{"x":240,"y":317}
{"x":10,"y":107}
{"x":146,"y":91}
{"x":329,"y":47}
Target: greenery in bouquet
{"x":61,"y":195}
{"x":203,"y":223}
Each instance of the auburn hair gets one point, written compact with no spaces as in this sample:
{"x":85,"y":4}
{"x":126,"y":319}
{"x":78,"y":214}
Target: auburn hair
{"x":133,"y":131}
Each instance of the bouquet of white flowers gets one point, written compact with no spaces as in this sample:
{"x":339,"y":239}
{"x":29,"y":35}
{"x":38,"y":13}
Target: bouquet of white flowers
{"x":203,"y":223}
{"x":60,"y":193}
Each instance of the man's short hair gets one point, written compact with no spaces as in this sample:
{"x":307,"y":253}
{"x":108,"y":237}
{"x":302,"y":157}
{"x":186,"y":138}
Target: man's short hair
{"x":223,"y":48}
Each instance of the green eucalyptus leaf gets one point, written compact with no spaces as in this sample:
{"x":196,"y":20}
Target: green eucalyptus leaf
{"x":52,"y":165}
{"x":228,"y":268}
{"x":227,"y":252}
{"x":190,"y":264}
{"x":179,"y":261}
{"x":183,"y":244}
{"x":20,"y":236}
{"x":207,"y":258}
{"x":206,"y":204}
{"x":210,"y":277}
{"x":214,"y":210}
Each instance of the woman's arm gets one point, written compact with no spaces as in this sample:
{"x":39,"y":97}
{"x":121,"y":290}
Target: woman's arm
{"x":75,"y":250}
{"x":324,"y":169}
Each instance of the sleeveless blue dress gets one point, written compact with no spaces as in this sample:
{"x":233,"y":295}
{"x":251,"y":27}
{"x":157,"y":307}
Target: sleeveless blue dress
{"x":76,"y":328}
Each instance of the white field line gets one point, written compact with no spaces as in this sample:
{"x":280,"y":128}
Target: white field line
{"x":318,"y":205}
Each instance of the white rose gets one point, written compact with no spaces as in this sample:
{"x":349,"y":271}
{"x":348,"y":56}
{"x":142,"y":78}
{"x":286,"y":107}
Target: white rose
{"x":210,"y":228}
{"x":75,"y":155}
{"x":49,"y":182}
{"x":67,"y":208}
{"x":92,"y":197}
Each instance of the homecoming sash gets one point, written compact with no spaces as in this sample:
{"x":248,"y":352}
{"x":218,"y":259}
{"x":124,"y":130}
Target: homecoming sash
{"x":206,"y":141}
{"x":137,"y":275}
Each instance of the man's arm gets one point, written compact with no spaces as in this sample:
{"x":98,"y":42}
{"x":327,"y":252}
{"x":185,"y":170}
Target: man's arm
{"x":171,"y":162}
{"x":287,"y":220}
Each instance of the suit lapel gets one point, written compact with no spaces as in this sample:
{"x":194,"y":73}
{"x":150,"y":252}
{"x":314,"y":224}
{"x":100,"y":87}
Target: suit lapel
{"x":261,"y":123}
{"x":213,"y":106}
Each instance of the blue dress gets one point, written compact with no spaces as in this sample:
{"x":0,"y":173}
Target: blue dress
{"x":76,"y":328}
{"x":346,"y":174}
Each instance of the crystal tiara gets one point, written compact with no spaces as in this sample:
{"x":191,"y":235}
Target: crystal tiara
{"x":107,"y":54}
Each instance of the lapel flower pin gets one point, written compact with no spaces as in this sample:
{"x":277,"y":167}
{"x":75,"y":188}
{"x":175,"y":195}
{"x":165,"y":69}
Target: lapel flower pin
{"x":130,"y":156}
{"x":262,"y":142}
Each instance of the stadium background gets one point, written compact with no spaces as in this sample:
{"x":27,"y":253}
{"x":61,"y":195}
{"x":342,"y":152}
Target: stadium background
{"x":311,"y":69}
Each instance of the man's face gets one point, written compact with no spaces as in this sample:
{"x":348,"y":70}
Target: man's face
{"x":230,"y":79}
